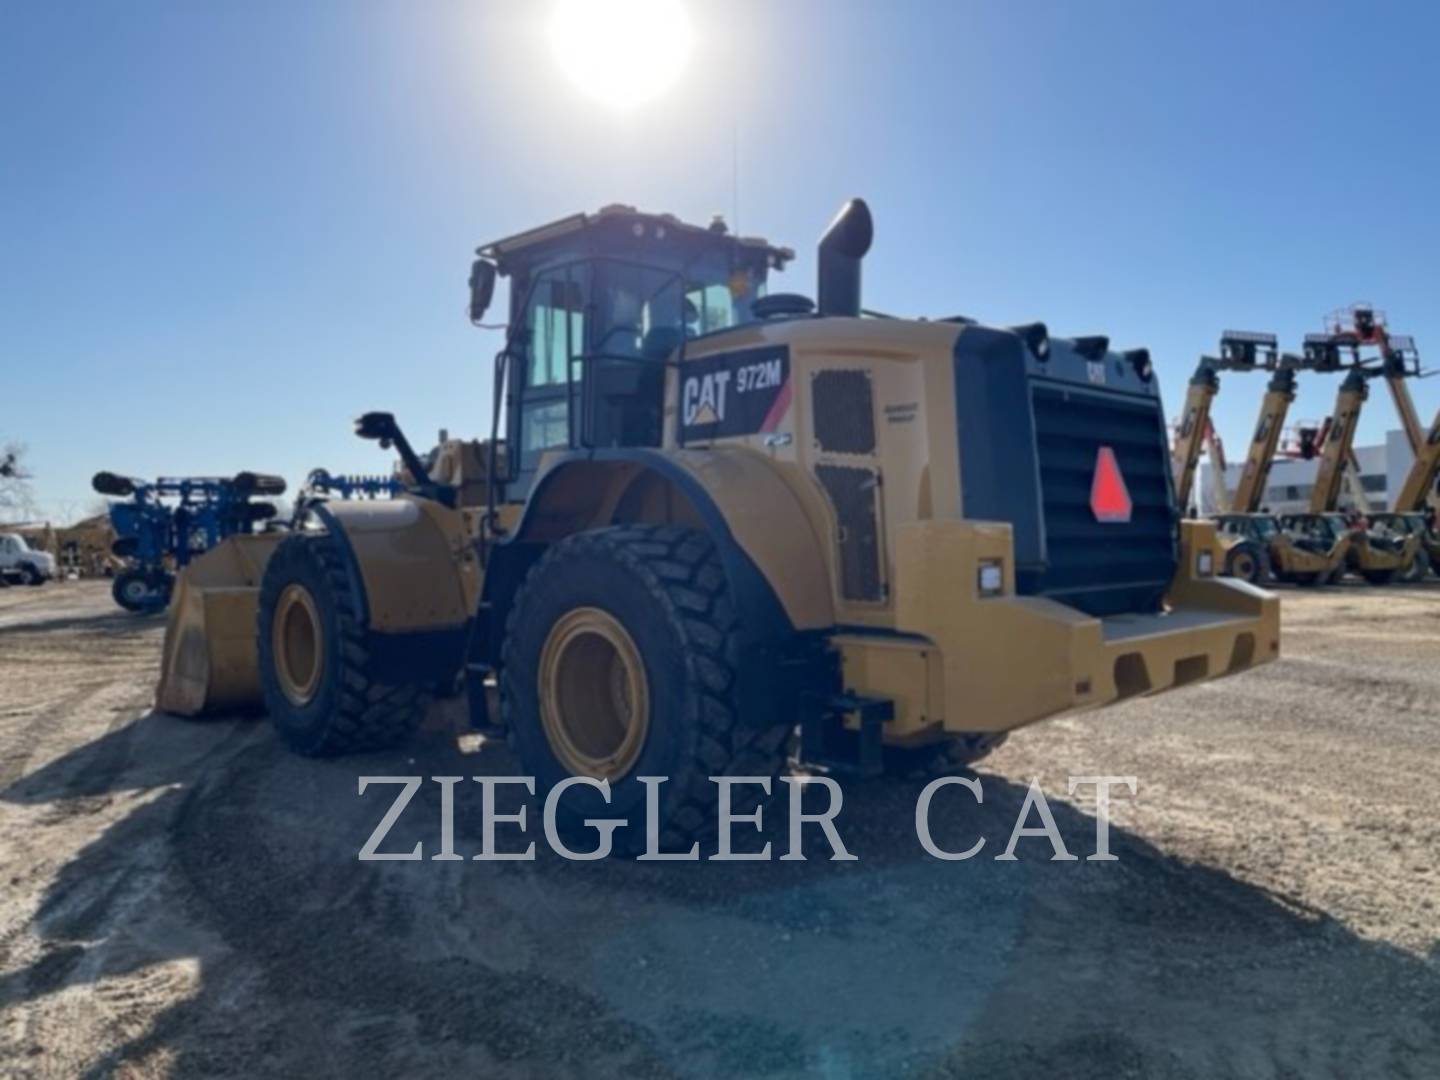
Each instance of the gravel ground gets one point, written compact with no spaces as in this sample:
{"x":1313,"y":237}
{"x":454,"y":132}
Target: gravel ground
{"x":184,"y":898}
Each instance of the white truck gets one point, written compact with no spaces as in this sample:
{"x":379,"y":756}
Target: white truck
{"x":20,"y":564}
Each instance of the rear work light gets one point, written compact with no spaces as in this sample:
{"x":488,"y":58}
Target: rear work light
{"x":991,"y":577}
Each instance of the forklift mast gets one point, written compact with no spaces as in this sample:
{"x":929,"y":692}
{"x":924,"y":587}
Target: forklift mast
{"x":1239,"y":351}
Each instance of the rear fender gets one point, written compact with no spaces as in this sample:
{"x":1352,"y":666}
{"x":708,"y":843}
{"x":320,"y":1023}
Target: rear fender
{"x":772,"y":555}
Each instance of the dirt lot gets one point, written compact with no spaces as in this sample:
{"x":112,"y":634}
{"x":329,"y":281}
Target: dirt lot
{"x":185,"y":898}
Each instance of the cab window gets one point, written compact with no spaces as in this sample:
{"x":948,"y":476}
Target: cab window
{"x":557,"y":326}
{"x":720,"y":301}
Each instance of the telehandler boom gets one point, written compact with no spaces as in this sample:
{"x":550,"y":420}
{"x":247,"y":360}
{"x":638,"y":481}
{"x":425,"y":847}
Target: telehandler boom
{"x":1239,"y":351}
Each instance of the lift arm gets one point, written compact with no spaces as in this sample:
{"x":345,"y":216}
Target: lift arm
{"x":1339,"y":441}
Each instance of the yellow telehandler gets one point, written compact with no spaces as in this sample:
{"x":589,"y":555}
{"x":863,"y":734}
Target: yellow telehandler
{"x":1256,"y":547}
{"x":719,"y":514}
{"x":1377,"y":556}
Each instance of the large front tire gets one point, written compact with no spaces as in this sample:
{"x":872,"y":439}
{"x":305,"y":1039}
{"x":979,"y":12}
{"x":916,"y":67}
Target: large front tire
{"x":622,"y":659}
{"x":315,"y":664}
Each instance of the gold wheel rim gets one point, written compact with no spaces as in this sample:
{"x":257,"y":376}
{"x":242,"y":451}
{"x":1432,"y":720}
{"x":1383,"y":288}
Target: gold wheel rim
{"x":594,"y":697}
{"x":296,"y":639}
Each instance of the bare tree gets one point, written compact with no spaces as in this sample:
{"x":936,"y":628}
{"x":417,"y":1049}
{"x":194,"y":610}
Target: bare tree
{"x":17,"y":500}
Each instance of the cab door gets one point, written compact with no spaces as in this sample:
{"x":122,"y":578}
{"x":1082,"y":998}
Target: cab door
{"x":546,"y":388}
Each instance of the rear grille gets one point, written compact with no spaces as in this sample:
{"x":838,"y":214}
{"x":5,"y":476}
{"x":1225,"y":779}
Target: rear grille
{"x":1101,"y":568}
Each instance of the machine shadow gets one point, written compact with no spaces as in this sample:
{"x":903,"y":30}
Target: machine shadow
{"x":241,"y":860}
{"x":116,"y":624}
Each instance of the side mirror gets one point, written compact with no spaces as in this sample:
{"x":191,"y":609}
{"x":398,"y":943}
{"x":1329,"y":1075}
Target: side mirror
{"x":482,"y":288}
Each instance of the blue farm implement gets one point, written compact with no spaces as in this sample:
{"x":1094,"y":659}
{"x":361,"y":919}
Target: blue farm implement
{"x":161,"y":526}
{"x":320,"y":483}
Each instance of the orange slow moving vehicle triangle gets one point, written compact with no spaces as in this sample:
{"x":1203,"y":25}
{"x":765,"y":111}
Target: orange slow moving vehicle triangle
{"x":1109,"y":497}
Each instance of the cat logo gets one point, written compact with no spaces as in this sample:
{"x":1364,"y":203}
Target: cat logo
{"x":704,"y":398}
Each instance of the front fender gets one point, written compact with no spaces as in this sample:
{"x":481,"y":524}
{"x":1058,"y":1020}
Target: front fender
{"x":412,"y":559}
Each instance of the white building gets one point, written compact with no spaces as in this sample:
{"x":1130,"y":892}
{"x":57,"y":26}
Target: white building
{"x":1382,"y":472}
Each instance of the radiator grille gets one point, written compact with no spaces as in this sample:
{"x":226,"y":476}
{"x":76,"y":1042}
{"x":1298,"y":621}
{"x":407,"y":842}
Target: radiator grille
{"x":1102,"y":568}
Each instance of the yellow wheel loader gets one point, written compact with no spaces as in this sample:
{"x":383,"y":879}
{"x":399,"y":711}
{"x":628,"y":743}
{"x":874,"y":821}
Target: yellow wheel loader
{"x":718,"y":515}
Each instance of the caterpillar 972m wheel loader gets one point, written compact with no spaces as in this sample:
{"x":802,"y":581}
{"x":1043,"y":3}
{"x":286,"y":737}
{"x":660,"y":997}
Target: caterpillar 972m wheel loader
{"x":1256,"y":548}
{"x":717,"y":515}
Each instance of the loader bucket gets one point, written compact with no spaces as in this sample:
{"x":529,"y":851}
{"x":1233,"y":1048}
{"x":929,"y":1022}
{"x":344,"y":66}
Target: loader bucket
{"x":210,"y":662}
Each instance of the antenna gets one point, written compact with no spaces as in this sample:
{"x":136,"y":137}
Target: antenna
{"x":735,"y":175}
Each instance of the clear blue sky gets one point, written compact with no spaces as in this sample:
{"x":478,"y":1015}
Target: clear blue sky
{"x":230,"y":227}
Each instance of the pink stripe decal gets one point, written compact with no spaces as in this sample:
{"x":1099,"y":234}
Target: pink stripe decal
{"x":778,"y":409}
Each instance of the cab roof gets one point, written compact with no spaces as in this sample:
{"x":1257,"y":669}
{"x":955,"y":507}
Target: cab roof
{"x":620,"y":226}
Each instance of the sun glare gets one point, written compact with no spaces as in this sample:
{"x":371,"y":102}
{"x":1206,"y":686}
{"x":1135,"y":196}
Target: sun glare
{"x":621,"y":52}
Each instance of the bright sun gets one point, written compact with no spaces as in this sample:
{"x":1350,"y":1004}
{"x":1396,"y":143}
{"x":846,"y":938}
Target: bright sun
{"x":621,"y":52}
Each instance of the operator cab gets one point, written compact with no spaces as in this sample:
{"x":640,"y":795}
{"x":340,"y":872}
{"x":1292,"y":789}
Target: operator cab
{"x":599,"y":303}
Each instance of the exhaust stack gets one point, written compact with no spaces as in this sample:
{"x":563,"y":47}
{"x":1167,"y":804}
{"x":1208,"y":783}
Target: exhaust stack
{"x":841,"y":249}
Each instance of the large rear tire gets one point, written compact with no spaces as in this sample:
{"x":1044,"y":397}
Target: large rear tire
{"x":1379,"y":577}
{"x":622,"y":659}
{"x":315,"y":661}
